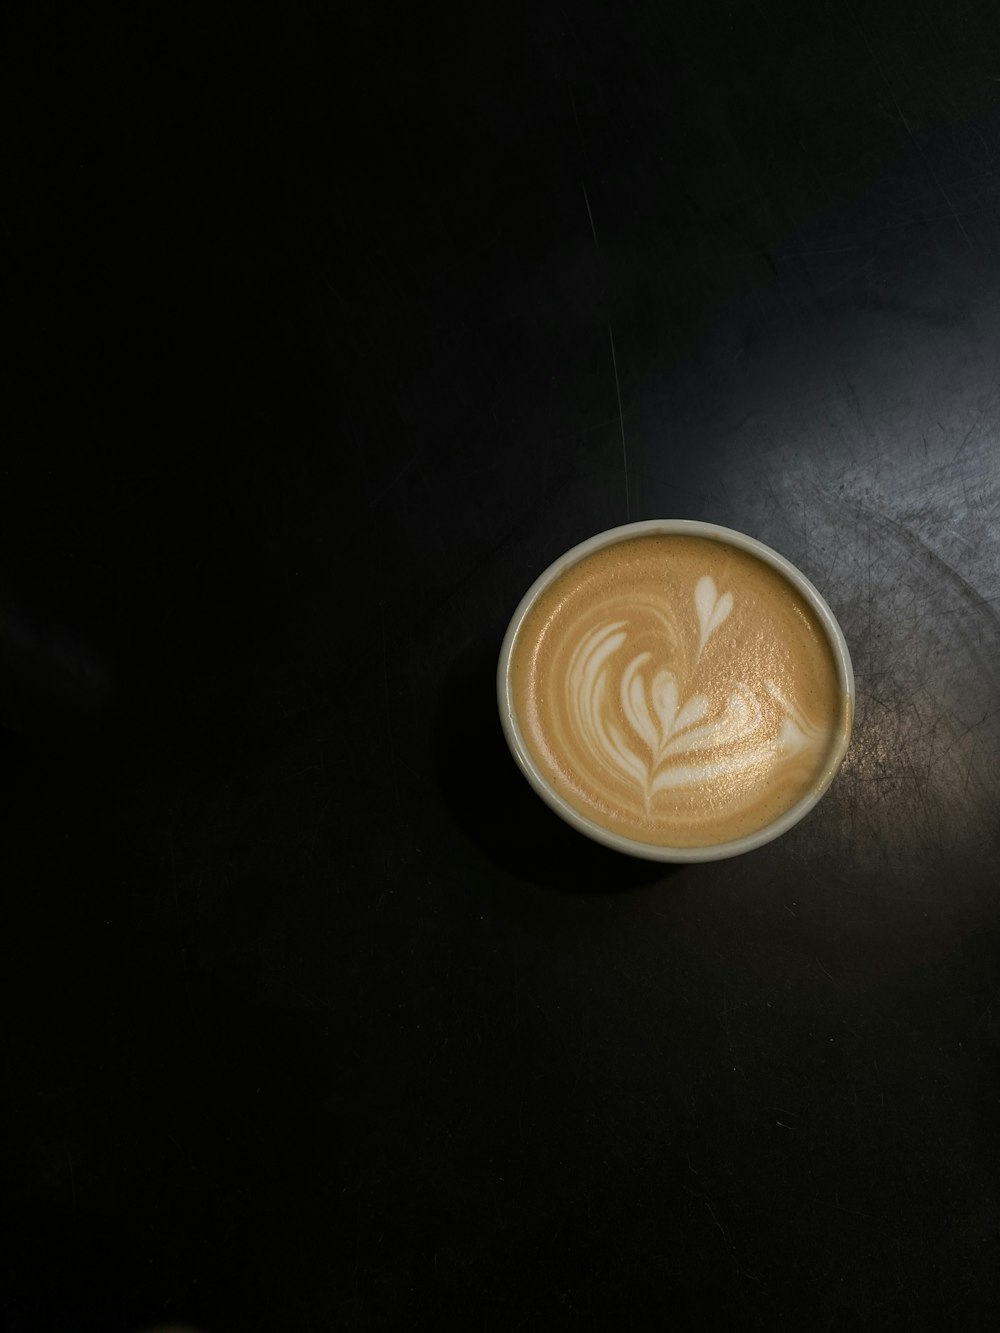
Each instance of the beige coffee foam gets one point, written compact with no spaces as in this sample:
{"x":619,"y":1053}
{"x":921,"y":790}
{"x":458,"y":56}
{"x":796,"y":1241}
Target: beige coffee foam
{"x":677,"y":691}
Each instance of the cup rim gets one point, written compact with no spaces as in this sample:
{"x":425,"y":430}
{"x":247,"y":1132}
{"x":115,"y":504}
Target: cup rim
{"x":589,"y":827}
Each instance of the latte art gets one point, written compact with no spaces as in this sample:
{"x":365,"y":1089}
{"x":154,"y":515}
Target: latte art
{"x":677,"y":690}
{"x":661,"y":726}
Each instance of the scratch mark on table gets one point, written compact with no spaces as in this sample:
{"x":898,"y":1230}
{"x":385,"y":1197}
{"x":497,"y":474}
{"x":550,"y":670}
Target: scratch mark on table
{"x":319,"y":824}
{"x":621,"y":423}
{"x":590,"y":215}
{"x":715,"y":1219}
{"x":396,"y":478}
{"x":826,"y":973}
{"x":913,"y":138}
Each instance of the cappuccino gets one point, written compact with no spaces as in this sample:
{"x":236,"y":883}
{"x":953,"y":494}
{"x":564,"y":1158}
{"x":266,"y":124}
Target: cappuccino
{"x":677,"y":691}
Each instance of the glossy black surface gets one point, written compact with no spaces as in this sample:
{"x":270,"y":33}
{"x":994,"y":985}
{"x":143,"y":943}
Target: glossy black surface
{"x":326,"y":337}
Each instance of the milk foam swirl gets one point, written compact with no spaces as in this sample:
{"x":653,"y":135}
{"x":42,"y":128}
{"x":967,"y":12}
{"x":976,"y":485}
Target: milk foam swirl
{"x":670,"y":726}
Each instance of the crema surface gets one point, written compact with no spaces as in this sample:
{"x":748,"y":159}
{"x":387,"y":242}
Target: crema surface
{"x":677,"y":690}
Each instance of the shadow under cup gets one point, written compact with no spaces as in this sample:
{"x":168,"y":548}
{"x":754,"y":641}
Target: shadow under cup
{"x":710,"y":851}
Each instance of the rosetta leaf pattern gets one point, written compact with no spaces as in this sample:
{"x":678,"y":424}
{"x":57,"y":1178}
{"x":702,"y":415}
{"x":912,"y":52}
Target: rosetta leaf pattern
{"x":669,"y":740}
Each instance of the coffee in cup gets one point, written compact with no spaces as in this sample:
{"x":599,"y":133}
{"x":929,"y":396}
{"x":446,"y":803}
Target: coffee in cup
{"x":676,"y":690}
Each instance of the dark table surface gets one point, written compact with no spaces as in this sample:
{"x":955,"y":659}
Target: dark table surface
{"x":326,"y":336}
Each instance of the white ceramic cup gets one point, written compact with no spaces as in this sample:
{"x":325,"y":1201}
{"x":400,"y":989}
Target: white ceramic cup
{"x":631,"y":846}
